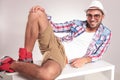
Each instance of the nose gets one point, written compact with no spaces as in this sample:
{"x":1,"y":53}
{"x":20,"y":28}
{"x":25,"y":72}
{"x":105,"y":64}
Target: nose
{"x":92,"y":18}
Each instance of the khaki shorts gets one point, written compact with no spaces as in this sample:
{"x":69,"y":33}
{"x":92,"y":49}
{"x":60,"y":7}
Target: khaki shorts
{"x":51,"y":48}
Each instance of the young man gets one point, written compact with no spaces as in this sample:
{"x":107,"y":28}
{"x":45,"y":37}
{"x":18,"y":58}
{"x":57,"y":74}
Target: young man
{"x":91,"y":36}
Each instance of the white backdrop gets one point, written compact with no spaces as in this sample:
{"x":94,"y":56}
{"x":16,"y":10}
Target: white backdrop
{"x":13,"y":17}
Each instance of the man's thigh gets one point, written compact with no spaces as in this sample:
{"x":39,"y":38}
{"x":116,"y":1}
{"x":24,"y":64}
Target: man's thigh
{"x":51,"y":48}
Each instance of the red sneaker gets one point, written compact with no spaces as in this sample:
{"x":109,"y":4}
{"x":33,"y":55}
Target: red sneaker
{"x":5,"y":63}
{"x":25,"y":56}
{"x":29,"y":57}
{"x":22,"y":54}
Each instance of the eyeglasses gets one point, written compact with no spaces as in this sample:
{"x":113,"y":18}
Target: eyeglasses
{"x":96,"y":16}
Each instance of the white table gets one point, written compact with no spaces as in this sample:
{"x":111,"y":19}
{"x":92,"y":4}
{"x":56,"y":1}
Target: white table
{"x":92,"y":68}
{"x":90,"y":71}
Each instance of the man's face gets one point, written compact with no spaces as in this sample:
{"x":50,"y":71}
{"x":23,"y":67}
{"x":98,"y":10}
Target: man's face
{"x":94,"y":17}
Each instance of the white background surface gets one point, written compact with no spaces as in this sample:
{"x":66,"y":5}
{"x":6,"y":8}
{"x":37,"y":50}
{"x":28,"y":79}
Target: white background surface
{"x":13,"y":17}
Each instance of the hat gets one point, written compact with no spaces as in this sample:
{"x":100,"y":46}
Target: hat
{"x":95,"y":4}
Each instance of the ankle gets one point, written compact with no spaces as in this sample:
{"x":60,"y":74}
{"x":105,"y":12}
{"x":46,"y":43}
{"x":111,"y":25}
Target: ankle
{"x":12,"y":65}
{"x":25,"y":55}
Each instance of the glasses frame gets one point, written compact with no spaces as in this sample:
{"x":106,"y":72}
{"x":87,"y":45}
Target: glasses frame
{"x":96,"y":16}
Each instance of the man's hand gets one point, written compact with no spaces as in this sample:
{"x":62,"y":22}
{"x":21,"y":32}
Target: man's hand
{"x":79,"y":62}
{"x":37,"y":8}
{"x":35,"y":12}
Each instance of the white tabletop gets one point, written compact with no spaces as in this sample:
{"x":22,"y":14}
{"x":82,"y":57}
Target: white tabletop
{"x":69,"y":71}
{"x":89,"y":68}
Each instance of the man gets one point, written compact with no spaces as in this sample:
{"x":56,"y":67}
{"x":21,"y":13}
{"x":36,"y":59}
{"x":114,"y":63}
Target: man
{"x":91,"y":32}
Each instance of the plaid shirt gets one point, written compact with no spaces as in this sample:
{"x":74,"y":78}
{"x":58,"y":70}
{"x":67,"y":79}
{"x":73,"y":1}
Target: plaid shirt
{"x":100,"y":40}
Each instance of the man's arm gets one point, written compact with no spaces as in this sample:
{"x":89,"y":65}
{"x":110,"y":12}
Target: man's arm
{"x":101,"y":49}
{"x":57,"y":27}
{"x":79,"y":62}
{"x":61,"y":27}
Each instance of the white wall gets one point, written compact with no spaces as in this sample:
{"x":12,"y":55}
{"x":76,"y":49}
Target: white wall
{"x":13,"y":17}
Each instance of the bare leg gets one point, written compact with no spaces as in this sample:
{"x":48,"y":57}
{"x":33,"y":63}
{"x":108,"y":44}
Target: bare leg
{"x":31,"y":32}
{"x":37,"y":23}
{"x":48,"y":71}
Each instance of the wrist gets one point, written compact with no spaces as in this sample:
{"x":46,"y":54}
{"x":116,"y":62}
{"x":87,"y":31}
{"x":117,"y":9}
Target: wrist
{"x":88,"y":59}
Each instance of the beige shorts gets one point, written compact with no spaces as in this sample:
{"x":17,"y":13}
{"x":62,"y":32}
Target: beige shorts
{"x":51,"y":48}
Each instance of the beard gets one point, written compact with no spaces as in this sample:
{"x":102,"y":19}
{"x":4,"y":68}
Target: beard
{"x":93,"y":25}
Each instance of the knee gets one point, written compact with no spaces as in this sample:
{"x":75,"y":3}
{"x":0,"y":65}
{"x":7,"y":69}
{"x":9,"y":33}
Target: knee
{"x":47,"y":74}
